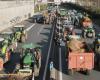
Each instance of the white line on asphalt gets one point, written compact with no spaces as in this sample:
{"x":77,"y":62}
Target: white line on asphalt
{"x":60,"y":65}
{"x":30,"y":27}
{"x":47,"y":60}
{"x":40,"y":30}
{"x":33,"y":76}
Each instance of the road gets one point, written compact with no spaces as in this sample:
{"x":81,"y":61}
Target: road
{"x":43,"y":35}
{"x":39,"y":34}
{"x":60,"y":64}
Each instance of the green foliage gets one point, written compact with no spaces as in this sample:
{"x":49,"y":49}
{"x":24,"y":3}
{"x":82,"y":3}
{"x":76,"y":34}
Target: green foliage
{"x":42,"y":7}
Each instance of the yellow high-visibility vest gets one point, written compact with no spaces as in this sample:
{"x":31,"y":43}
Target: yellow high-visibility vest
{"x":4,"y":48}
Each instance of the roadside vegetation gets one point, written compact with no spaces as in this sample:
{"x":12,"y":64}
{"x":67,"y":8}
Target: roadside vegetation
{"x":42,"y":7}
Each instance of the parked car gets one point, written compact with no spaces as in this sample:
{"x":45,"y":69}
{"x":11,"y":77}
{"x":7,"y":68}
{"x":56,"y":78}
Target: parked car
{"x":38,"y":18}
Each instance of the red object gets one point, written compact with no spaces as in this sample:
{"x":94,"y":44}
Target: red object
{"x":7,"y":56}
{"x":81,"y":61}
{"x":1,"y":64}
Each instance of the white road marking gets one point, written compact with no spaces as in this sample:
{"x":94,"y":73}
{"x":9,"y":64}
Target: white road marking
{"x":30,"y":27}
{"x":40,"y":30}
{"x":47,"y":60}
{"x":60,"y":65}
{"x":33,"y":76}
{"x":52,"y":73}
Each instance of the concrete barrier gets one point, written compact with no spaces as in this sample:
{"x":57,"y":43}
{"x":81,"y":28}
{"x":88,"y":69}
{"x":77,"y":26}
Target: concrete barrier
{"x":13,"y":14}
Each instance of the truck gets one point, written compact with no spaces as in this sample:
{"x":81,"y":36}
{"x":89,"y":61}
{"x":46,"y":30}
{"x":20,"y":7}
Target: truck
{"x":80,"y":61}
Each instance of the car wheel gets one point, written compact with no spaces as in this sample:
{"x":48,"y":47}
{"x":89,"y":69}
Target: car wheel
{"x":70,"y":71}
{"x":88,"y":72}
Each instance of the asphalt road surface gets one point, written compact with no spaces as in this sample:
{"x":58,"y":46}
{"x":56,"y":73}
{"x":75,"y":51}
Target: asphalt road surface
{"x":43,"y":35}
{"x":39,"y":34}
{"x":58,"y":56}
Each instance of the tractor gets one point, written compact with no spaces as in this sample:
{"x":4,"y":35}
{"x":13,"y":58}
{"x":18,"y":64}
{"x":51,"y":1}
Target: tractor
{"x":1,"y":54}
{"x":20,"y":33}
{"x":9,"y":39}
{"x":7,"y":44}
{"x":88,"y":33}
{"x":30,"y":62}
{"x":4,"y":52}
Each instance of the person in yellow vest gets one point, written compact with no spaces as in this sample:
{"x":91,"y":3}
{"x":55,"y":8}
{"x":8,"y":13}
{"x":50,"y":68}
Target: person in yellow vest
{"x":7,"y":55}
{"x":3,"y":51}
{"x":18,"y":34}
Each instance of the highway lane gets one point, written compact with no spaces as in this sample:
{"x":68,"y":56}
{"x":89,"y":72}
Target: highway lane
{"x":78,"y":75}
{"x":60,"y":65}
{"x":39,"y":34}
{"x":58,"y":56}
{"x":64,"y":75}
{"x":62,"y":54}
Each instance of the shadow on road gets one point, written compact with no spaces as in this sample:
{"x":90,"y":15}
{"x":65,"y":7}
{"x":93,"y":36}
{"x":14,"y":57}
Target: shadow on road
{"x":11,"y":64}
{"x":45,"y":46}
